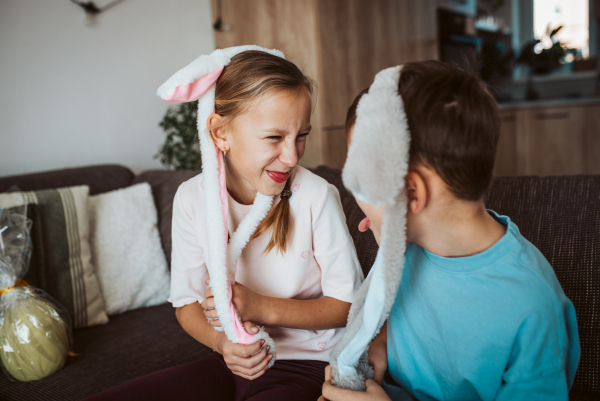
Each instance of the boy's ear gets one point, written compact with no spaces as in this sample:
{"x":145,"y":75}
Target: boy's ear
{"x":416,"y":191}
{"x":218,"y":134}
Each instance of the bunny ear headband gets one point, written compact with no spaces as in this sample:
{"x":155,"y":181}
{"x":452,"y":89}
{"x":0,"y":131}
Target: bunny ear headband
{"x":196,"y":81}
{"x":375,"y":171}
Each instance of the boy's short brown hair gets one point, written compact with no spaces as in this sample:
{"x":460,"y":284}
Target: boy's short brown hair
{"x":454,"y":124}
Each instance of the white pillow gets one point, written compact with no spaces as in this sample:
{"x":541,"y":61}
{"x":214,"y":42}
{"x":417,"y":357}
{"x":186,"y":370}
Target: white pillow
{"x":126,"y":249}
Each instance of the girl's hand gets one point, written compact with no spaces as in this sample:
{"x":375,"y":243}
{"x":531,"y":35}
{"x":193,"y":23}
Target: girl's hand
{"x":246,"y":302}
{"x":331,"y":393}
{"x":247,"y":361}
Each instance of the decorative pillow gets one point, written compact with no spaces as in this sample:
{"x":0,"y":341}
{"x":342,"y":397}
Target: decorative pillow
{"x":36,"y":274}
{"x":67,"y":273}
{"x":126,"y":248}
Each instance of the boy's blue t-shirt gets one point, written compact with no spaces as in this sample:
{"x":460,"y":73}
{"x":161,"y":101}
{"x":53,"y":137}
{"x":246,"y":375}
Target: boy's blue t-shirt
{"x":492,"y":326}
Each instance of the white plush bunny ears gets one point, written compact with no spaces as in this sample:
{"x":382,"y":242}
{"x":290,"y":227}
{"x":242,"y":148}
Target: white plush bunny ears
{"x":196,"y":81}
{"x":375,"y":172}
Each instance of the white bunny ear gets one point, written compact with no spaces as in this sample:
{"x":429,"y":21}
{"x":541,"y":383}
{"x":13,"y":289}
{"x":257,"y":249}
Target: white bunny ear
{"x":193,"y":80}
{"x":380,"y":143}
{"x":193,"y":90}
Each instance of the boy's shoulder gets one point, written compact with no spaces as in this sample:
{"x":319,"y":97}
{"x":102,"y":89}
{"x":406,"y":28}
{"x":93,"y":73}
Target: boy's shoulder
{"x":512,"y":271}
{"x":528,"y":277}
{"x":529,"y":259}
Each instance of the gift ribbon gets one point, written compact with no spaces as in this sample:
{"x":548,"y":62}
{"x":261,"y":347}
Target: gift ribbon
{"x":20,"y":283}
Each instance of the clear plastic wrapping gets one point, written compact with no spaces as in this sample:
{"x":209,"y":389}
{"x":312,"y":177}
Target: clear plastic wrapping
{"x":35,"y":330}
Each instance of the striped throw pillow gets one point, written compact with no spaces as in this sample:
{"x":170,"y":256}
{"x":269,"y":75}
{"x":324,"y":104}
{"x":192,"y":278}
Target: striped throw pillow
{"x":68,"y":274}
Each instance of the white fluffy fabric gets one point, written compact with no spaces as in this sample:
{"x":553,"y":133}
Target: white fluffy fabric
{"x":126,"y":249}
{"x":377,"y":160}
{"x":375,"y":171}
{"x":262,"y":205}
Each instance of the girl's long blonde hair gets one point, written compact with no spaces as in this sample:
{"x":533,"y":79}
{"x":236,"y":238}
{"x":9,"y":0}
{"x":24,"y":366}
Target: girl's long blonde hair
{"x":245,"y":79}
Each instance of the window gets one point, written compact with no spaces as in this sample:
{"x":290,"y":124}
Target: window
{"x":573,"y":15}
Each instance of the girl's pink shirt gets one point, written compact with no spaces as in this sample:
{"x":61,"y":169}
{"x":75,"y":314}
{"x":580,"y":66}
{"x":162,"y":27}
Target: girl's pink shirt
{"x":320,"y":259}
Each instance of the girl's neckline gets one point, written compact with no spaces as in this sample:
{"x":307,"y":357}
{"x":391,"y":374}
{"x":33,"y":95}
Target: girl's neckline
{"x":238,"y":207}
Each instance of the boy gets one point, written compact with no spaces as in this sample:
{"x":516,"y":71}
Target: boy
{"x":479,"y":314}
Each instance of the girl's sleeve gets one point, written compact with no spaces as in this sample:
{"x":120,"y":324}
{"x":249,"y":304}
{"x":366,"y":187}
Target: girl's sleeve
{"x":188,"y":269}
{"x":341,"y":274}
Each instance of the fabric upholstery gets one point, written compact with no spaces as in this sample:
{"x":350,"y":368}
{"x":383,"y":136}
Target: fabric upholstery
{"x":131,"y":345}
{"x":36,"y":274}
{"x":561,"y":216}
{"x":100,"y":178}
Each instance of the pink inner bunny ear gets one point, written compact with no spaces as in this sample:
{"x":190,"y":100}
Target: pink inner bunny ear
{"x":192,"y":91}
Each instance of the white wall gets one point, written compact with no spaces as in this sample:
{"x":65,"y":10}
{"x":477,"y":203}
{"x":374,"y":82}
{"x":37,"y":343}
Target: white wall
{"x":72,"y":95}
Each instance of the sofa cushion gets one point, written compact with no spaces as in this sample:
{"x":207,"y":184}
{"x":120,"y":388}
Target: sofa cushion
{"x":131,"y":345}
{"x":164,"y":185}
{"x":100,"y":178}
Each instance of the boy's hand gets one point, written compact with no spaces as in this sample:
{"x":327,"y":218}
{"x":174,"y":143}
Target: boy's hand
{"x":331,"y":393}
{"x":378,"y":358}
{"x":245,"y":301}
{"x":247,"y":361}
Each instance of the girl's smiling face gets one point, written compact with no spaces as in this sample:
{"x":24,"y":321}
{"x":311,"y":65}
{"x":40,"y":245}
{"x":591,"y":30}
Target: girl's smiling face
{"x":264,"y":143}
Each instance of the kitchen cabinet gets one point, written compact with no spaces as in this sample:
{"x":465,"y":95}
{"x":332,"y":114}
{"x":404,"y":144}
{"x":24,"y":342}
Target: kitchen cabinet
{"x":549,"y":140}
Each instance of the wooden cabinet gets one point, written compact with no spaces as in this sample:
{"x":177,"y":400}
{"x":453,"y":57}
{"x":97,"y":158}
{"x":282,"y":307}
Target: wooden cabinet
{"x":554,"y":141}
{"x":549,"y":141}
{"x":508,"y":160}
{"x":341,"y":44}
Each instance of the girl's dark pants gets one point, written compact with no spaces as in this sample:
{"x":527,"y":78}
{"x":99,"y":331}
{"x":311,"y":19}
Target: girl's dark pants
{"x":210,"y":379}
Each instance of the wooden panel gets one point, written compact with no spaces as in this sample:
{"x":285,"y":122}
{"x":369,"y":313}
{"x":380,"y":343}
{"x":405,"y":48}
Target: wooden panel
{"x":507,"y":157}
{"x":592,"y":139}
{"x":361,"y":37}
{"x":337,"y":146}
{"x":554,"y":141}
{"x":290,"y":26}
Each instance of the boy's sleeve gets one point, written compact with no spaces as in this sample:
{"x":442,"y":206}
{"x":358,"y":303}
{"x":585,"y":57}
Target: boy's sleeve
{"x":341,"y":274}
{"x":188,"y":268}
{"x":544,"y":357}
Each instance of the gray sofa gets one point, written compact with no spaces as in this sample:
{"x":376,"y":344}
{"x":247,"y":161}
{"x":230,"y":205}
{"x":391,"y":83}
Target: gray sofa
{"x":560,"y":215}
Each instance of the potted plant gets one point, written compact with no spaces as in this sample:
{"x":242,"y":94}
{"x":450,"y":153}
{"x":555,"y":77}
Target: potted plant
{"x":181,"y":149}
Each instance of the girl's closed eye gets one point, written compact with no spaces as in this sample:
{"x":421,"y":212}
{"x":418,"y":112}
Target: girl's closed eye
{"x":300,"y":137}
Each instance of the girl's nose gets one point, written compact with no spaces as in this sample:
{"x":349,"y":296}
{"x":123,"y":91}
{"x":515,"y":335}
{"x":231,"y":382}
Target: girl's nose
{"x":289,"y":153}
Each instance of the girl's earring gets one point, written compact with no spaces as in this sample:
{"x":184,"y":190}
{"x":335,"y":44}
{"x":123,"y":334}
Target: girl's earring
{"x":224,"y":153}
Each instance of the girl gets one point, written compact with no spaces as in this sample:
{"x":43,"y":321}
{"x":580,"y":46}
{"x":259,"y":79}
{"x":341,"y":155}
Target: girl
{"x":297,"y":275}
